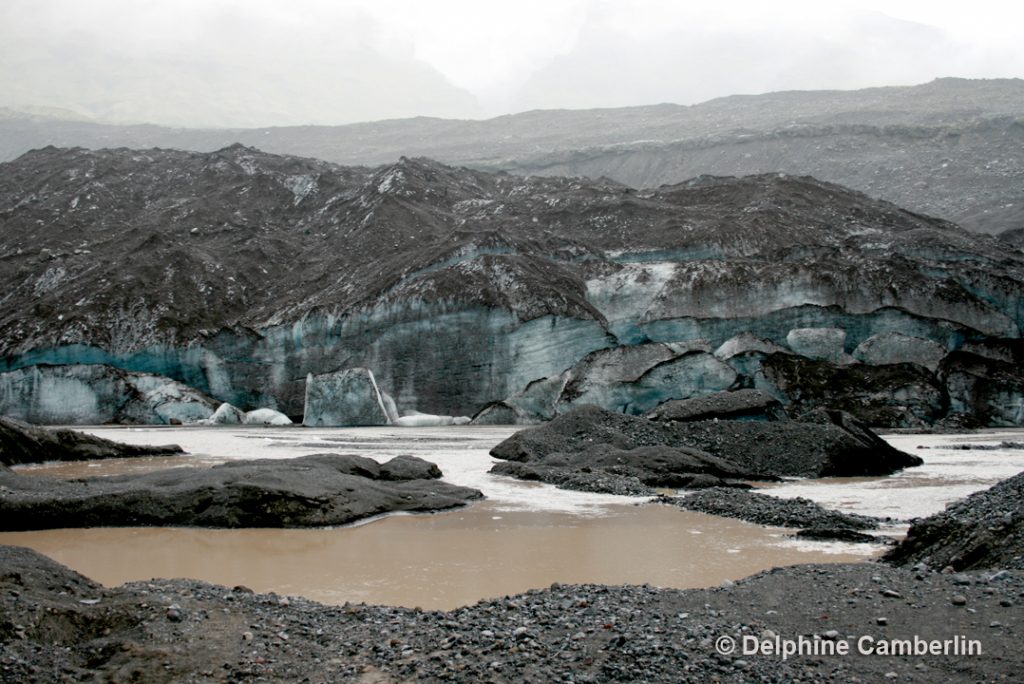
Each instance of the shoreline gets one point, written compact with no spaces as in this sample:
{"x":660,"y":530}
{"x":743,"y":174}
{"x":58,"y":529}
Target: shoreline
{"x":182,"y":630}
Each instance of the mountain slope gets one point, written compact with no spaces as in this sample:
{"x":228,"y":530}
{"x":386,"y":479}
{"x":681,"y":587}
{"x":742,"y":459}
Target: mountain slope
{"x":952,"y":148}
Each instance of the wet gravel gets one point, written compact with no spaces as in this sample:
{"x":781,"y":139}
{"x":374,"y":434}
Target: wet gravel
{"x":56,"y":626}
{"x":769,"y":510}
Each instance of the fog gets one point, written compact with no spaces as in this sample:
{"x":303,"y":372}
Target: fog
{"x":260,"y":63}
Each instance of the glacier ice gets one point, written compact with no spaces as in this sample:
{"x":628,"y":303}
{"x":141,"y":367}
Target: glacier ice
{"x":894,"y":347}
{"x":746,"y":342}
{"x":266,"y":416}
{"x":414,"y":419}
{"x":226,"y":414}
{"x":97,"y":394}
{"x":826,"y":344}
{"x":345,"y":398}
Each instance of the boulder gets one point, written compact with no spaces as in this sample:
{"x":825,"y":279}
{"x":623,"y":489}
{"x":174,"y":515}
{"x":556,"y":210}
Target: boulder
{"x":825,"y":444}
{"x":615,"y":466}
{"x":744,"y":404}
{"x":309,"y":491}
{"x":826,"y":344}
{"x":763,"y":450}
{"x":346,"y":398}
{"x":96,"y":394}
{"x":892,"y":347}
{"x":23,"y":443}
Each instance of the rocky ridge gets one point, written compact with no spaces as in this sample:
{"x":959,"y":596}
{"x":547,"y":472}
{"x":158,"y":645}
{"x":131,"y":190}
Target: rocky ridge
{"x":950,"y":148}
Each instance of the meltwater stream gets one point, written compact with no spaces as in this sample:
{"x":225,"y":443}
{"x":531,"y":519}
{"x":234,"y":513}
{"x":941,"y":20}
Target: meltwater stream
{"x":522,"y":536}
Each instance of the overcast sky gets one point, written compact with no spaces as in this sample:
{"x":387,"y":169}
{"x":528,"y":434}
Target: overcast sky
{"x":263,"y":62}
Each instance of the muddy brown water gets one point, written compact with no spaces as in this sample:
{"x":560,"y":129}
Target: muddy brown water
{"x":438,"y":561}
{"x":523,"y":536}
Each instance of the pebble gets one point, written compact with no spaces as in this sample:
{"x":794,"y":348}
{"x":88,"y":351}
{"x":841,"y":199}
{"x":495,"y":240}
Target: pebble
{"x":958,"y":600}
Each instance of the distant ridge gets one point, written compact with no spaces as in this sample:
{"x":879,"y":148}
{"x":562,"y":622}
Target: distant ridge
{"x":952,"y":147}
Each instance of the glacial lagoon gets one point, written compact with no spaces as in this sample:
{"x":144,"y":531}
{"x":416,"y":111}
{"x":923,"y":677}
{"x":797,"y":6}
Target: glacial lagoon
{"x":522,"y":536}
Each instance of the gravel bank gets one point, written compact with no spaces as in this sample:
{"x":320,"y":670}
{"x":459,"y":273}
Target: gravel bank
{"x":985,"y":530}
{"x":59,"y":626}
{"x":769,"y":510}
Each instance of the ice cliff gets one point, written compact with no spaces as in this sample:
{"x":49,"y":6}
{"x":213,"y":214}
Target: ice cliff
{"x":239,"y":273}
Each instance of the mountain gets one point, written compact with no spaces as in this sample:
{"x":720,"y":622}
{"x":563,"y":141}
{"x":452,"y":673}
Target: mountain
{"x":952,"y":148}
{"x":239,"y":272}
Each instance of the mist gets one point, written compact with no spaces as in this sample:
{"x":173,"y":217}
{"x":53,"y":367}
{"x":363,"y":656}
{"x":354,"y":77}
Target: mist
{"x":228,"y":63}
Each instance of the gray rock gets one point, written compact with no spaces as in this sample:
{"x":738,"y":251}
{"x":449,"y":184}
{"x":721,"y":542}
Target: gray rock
{"x":310,"y":491}
{"x":838,"y":445}
{"x":22,"y":443}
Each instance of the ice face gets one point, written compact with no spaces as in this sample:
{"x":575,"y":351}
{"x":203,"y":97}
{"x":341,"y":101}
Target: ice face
{"x":896,"y":347}
{"x":819,"y":343}
{"x":344,"y":399}
{"x":96,"y":394}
